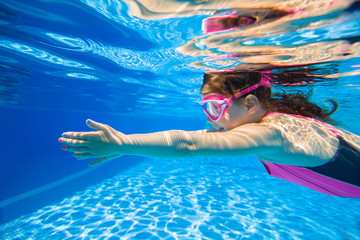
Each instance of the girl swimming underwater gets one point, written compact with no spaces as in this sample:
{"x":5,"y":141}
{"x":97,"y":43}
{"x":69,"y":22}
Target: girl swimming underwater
{"x":286,"y":132}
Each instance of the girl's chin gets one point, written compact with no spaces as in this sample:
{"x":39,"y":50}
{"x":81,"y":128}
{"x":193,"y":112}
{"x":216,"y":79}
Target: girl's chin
{"x":221,"y":129}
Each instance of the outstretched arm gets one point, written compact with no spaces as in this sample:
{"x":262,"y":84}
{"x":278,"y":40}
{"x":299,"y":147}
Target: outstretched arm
{"x":106,"y":143}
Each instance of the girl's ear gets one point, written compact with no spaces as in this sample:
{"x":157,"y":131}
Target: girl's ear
{"x":251,"y":103}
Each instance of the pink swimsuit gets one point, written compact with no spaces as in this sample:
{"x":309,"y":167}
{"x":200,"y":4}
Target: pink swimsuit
{"x":338,"y":177}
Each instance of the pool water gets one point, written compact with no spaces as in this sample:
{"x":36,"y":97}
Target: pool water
{"x":137,"y":66}
{"x":198,"y":199}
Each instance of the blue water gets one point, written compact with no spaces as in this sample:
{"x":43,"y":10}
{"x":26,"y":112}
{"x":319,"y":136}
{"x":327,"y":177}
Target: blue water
{"x":62,"y":62}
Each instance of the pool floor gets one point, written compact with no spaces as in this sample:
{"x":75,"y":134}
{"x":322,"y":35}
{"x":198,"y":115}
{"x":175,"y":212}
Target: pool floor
{"x":192,"y":199}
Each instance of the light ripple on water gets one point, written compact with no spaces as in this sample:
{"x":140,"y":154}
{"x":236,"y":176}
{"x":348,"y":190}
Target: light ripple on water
{"x":197,"y":200}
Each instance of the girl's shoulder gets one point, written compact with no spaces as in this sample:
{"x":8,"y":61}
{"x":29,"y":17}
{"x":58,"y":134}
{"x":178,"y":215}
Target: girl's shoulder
{"x":302,"y":129}
{"x":309,"y":140}
{"x":290,"y":122}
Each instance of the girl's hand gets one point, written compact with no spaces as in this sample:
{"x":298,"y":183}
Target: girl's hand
{"x":104,"y":144}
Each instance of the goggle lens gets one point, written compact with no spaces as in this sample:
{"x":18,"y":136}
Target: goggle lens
{"x":213,"y":109}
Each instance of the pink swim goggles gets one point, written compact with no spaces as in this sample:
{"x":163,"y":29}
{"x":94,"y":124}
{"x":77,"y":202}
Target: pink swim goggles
{"x":215,"y":106}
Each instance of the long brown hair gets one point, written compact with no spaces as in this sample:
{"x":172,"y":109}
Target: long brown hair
{"x":231,"y":83}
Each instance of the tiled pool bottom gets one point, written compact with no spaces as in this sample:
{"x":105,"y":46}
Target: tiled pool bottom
{"x":192,"y":199}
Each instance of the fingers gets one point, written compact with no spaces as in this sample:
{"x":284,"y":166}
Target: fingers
{"x":85,"y":144}
{"x":73,"y":142}
{"x":97,"y":126}
{"x":76,"y":135}
{"x":81,"y":135}
{"x":88,"y":135}
{"x":77,"y":149}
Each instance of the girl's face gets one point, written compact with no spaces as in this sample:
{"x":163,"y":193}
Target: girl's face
{"x":235,"y":115}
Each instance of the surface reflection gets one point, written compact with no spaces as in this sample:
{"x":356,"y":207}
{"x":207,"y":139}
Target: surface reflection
{"x":165,"y":45}
{"x":273,"y":37}
{"x":264,"y":34}
{"x":149,"y":9}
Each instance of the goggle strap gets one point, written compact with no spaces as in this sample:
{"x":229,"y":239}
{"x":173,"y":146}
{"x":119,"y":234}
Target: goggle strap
{"x":265,"y":81}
